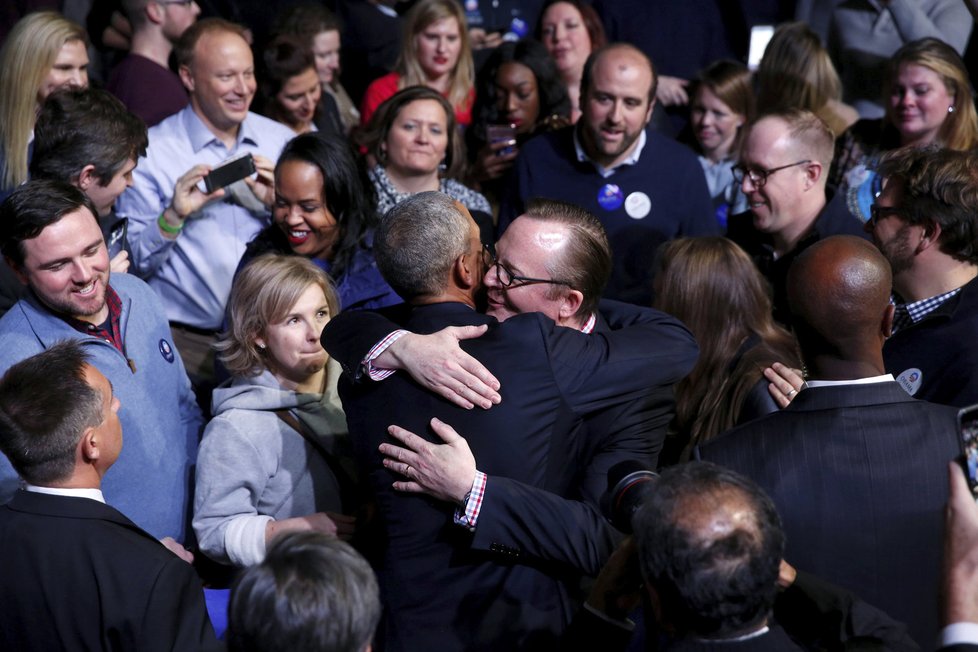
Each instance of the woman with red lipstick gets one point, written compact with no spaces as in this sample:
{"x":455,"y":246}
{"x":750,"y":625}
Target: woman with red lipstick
{"x":324,"y":210}
{"x":436,"y":54}
{"x":518,"y":87}
{"x":722,"y":102}
{"x":570,"y":30}
{"x":928,"y":100}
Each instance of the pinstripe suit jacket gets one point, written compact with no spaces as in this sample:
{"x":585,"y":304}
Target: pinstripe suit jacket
{"x":859,"y":476}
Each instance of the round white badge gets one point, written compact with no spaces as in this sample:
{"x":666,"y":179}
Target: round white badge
{"x":910,"y":380}
{"x":638,"y":205}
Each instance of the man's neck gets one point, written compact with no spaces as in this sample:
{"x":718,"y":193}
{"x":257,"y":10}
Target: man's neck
{"x":152,"y":45}
{"x":828,"y":368}
{"x":450,"y":295}
{"x":932,"y":278}
{"x":788,"y":238}
{"x":227,"y":136}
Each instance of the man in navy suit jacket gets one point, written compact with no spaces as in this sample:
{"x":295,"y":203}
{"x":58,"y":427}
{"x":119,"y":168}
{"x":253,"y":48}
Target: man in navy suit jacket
{"x":855,"y":466}
{"x":502,"y":585}
{"x":78,"y":574}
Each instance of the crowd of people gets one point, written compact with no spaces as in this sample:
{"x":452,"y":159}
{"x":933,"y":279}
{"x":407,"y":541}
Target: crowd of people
{"x":444,"y":325}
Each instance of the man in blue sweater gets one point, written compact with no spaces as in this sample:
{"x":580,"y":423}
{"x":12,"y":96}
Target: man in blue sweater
{"x":645,"y":188}
{"x":50,"y":236}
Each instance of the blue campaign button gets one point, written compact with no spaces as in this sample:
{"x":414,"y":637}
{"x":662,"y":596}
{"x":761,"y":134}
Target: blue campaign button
{"x":610,"y":197}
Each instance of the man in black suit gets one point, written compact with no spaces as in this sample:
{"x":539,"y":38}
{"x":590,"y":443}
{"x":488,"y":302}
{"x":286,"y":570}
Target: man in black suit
{"x":77,"y":573}
{"x":854,"y":465}
{"x":500,"y":586}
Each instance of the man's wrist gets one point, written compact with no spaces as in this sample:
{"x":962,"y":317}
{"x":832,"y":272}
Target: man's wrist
{"x":170,"y":221}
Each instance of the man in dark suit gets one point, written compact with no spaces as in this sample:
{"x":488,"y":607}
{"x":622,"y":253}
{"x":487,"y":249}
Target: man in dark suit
{"x":854,"y":465}
{"x":77,"y":573}
{"x":500,"y":586}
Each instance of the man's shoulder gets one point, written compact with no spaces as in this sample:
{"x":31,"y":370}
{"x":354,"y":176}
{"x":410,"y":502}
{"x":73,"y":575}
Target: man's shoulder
{"x":669,"y":151}
{"x":557,"y":144}
{"x":267,"y":132}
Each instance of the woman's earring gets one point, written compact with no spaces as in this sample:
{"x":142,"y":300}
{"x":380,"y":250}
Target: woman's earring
{"x":261,"y":347}
{"x":950,"y":109}
{"x":442,"y":167}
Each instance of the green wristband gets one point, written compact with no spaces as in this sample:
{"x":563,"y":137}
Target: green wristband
{"x":165,"y":226}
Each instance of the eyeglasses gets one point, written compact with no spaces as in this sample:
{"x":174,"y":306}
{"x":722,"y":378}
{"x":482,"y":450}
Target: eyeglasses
{"x":506,"y":277}
{"x":877,"y":213}
{"x":185,"y":3}
{"x":758,"y":176}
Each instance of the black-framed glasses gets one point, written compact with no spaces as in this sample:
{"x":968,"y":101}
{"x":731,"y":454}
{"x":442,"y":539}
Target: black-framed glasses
{"x":506,"y":277}
{"x":758,"y":176}
{"x":185,"y":3}
{"x":877,"y":213}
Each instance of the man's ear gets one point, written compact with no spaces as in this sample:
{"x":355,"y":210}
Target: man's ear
{"x":813,"y":172}
{"x":86,"y":178}
{"x":88,"y":446}
{"x":155,"y":12}
{"x":886,"y":326}
{"x":930,"y":235}
{"x":17,"y":269}
{"x":187,"y":78}
{"x":571,"y":304}
{"x":466,"y":274}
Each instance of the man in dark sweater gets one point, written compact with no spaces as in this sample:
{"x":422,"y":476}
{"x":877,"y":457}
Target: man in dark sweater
{"x":645,"y":188}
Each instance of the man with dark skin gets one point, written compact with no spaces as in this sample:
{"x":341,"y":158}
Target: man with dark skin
{"x":853,"y":464}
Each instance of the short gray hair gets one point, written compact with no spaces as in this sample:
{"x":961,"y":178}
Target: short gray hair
{"x":418,"y":241}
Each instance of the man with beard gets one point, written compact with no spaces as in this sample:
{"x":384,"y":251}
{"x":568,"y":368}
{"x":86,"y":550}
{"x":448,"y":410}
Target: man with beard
{"x":924,"y":223}
{"x":50,"y":237}
{"x":644,"y":187}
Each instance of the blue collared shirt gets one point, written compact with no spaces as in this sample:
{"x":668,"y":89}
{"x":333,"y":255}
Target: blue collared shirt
{"x":192,"y":274}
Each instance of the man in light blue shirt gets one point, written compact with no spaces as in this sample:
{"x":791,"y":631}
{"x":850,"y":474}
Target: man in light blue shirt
{"x":186,"y":243}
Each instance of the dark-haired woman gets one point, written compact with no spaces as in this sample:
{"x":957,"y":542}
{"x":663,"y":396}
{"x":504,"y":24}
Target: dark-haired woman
{"x":324,"y":210}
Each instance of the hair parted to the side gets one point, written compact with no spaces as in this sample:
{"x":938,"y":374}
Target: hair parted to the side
{"x":312,"y":592}
{"x":45,"y":406}
{"x":709,"y":584}
{"x":421,"y":16}
{"x":374,"y":137}
{"x":418,"y":241}
{"x":34,"y":206}
{"x":83,"y":127}
{"x":960,"y":127}
{"x":585,"y":263}
{"x":811,"y":138}
{"x":29,"y":52}
{"x":939,"y":185}
{"x":730,"y":81}
{"x":264,"y":293}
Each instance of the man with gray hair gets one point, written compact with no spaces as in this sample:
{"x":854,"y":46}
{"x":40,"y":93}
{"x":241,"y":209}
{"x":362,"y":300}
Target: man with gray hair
{"x":312,"y":592}
{"x":520,"y":540}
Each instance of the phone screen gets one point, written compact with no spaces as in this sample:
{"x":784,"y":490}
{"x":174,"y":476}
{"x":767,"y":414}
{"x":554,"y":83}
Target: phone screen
{"x":968,"y":427}
{"x":116,"y":240}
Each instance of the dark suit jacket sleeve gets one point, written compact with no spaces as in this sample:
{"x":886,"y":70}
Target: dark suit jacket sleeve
{"x":587,"y":633}
{"x":511,"y":205}
{"x":349,"y":336}
{"x":821,"y":615}
{"x":519,"y":520}
{"x":646,"y":348}
{"x":176,"y":616}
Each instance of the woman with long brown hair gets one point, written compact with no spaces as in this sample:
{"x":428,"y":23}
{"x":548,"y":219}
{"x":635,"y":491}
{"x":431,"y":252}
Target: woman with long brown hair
{"x":713,"y":287}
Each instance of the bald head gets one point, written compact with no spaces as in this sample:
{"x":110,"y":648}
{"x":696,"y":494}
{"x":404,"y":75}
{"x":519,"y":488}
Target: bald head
{"x":839,"y":293}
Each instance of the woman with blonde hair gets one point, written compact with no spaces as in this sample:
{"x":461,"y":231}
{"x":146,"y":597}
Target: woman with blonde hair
{"x":713,"y":287}
{"x":42,"y":53}
{"x":929,"y":100}
{"x":797,"y":73}
{"x":272,"y":459}
{"x":436,"y":53}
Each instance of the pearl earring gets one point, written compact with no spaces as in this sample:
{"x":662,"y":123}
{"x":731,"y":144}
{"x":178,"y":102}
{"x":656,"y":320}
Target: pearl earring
{"x":950,"y":109}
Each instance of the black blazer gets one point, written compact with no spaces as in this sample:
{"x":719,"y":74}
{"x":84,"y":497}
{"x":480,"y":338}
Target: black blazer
{"x":78,"y":575}
{"x":859,"y":476}
{"x":501,"y":587}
